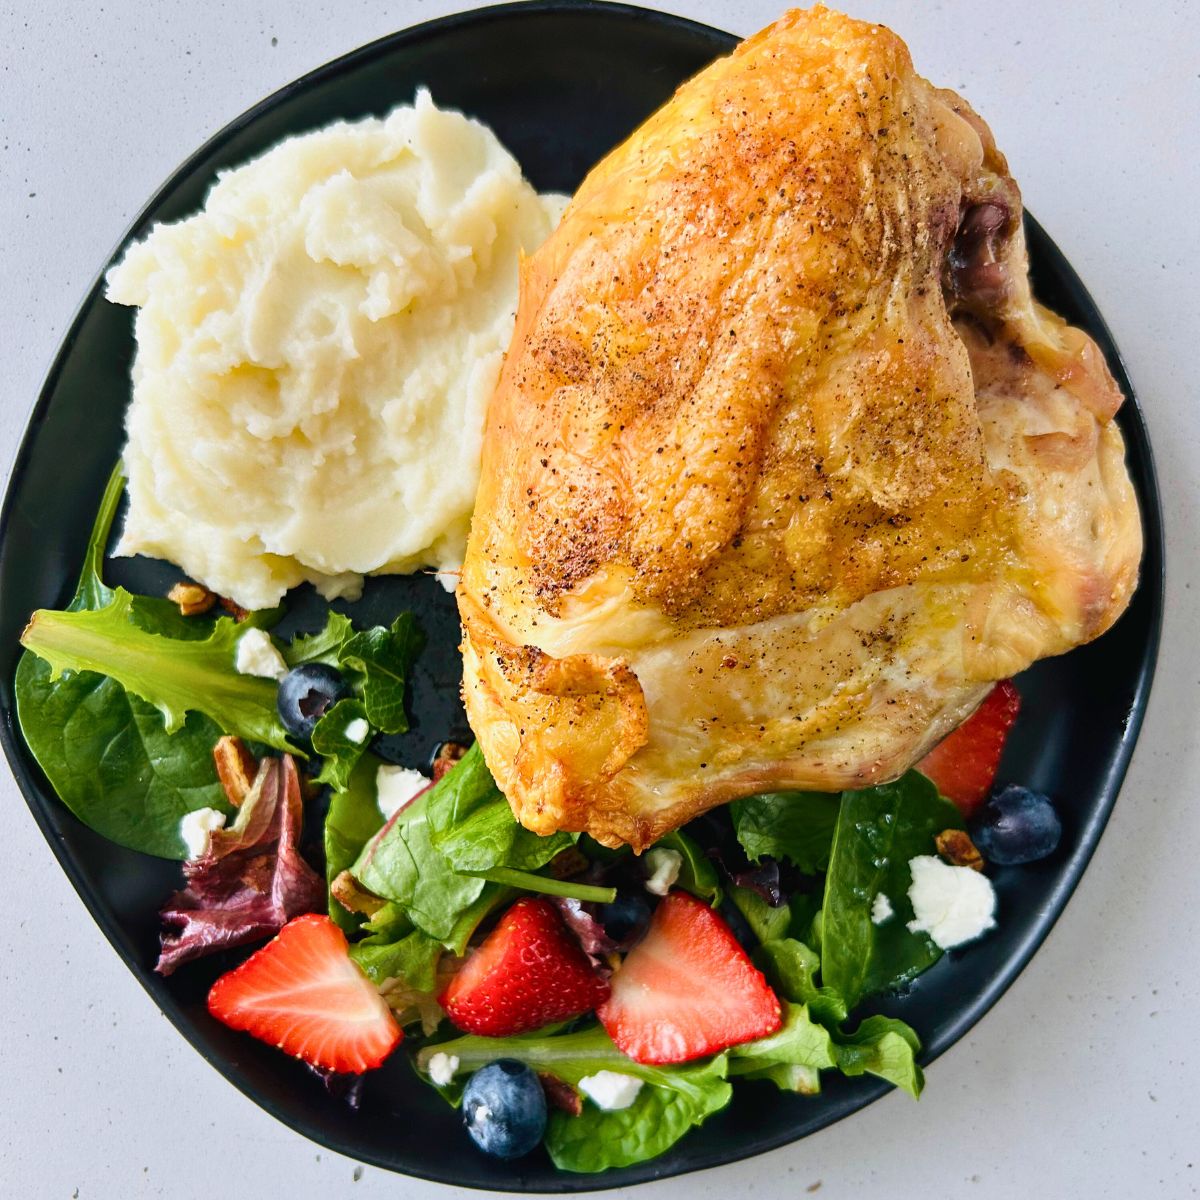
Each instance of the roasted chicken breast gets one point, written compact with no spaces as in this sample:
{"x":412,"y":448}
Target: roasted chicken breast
{"x":785,"y":465}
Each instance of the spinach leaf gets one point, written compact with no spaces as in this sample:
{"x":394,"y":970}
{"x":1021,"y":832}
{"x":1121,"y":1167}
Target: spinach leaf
{"x":402,"y":864}
{"x":436,"y":855}
{"x":383,"y":656}
{"x":878,"y":831}
{"x":797,"y":826}
{"x":791,"y":967}
{"x":882,"y":1046}
{"x":109,"y":757}
{"x":675,"y":1099}
{"x":339,"y":752}
{"x":473,"y":826}
{"x":696,"y":873}
{"x":175,"y":676}
{"x":107,"y":753}
{"x":353,"y":819}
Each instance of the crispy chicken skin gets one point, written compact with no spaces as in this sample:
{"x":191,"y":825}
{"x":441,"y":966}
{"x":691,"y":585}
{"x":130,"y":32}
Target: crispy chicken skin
{"x":785,"y":466}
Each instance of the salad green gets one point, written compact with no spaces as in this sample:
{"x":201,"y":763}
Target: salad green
{"x":121,"y":700}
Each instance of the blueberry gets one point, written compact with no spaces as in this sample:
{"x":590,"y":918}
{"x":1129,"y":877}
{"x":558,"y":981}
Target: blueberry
{"x":625,"y":918}
{"x":504,"y":1109}
{"x":306,"y":694}
{"x":1016,"y":826}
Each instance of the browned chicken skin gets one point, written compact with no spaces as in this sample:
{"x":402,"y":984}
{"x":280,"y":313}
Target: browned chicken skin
{"x":785,"y":466}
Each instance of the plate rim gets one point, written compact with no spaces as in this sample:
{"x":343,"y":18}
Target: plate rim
{"x":1134,"y":429}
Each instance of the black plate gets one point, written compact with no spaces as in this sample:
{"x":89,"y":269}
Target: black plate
{"x":560,"y":84}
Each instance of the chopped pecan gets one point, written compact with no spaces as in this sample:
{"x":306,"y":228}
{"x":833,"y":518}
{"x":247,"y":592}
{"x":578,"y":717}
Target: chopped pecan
{"x":561,"y":1095}
{"x":192,"y":598}
{"x":958,"y":849}
{"x":236,"y":768}
{"x":353,"y":897}
{"x":568,"y":862}
{"x":235,"y":610}
{"x":448,"y":754}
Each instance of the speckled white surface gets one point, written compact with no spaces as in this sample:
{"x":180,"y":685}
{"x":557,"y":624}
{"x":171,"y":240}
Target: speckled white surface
{"x":1082,"y":1082}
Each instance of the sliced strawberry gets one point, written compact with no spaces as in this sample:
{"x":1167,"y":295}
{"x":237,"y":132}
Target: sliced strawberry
{"x":964,"y":765}
{"x":687,"y":989}
{"x":529,"y":972}
{"x":303,"y":993}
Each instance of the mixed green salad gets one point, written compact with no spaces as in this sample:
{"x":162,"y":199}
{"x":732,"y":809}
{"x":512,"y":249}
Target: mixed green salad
{"x":807,"y":897}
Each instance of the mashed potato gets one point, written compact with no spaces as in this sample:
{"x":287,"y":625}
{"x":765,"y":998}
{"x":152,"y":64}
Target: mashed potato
{"x":315,"y":354}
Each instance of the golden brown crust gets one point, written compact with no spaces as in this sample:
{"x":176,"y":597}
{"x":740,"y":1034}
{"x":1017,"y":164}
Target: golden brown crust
{"x":743,"y":520}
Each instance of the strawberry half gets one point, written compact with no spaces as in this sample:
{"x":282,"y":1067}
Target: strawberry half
{"x":687,"y":989}
{"x":964,"y":765}
{"x":529,"y":972}
{"x":303,"y":993}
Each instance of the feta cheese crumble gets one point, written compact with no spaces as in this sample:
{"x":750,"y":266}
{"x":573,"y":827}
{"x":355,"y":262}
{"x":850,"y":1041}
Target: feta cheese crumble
{"x":952,"y":904}
{"x":256,"y":655}
{"x":395,"y":787}
{"x":357,"y":731}
{"x":664,"y":866}
{"x":442,"y":1068}
{"x":610,"y":1090}
{"x":197,"y":829}
{"x":881,"y":909}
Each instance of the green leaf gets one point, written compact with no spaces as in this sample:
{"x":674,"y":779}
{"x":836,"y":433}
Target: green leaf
{"x":412,"y":958}
{"x":383,"y":657}
{"x":91,"y":591}
{"x":352,"y":821}
{"x":659,"y":1116}
{"x":340,"y":753}
{"x":696,"y":873}
{"x":175,"y":676}
{"x":797,"y":826}
{"x":473,"y":826}
{"x":799,"y":1042}
{"x":109,"y":757}
{"x":676,"y":1098}
{"x":402,"y":864}
{"x":791,"y":967}
{"x":882,"y":1046}
{"x":106,"y":753}
{"x":768,"y":923}
{"x":878,"y":831}
{"x":322,"y":646}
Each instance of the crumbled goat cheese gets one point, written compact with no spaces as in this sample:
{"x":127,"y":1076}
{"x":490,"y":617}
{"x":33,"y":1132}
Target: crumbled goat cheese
{"x":952,"y":904}
{"x":881,"y":909}
{"x":197,"y":828}
{"x":442,"y":1068}
{"x":256,"y":655}
{"x":610,"y":1090}
{"x":663,"y":866}
{"x":357,"y":731}
{"x":395,"y":787}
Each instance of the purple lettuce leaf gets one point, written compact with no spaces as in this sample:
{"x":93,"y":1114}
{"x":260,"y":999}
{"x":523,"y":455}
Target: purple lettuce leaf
{"x":251,"y":880}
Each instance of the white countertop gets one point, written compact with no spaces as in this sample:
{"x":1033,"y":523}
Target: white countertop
{"x":1078,"y":1083}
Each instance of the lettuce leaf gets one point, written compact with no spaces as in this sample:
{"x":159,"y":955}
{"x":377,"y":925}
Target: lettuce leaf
{"x":106,"y":752}
{"x":250,"y":882}
{"x":382,"y":656}
{"x":801,"y":1047}
{"x":339,"y":753}
{"x":882,"y":1046}
{"x":176,"y":676}
{"x":675,"y":1100}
